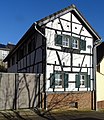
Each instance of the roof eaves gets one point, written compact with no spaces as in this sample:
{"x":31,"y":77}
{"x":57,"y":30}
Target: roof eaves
{"x":19,"y":43}
{"x":64,"y":11}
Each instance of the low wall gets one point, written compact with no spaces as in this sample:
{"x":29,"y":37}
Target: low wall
{"x":20,"y":90}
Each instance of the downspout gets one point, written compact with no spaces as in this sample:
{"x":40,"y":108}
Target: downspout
{"x":39,"y":31}
{"x":44,"y":77}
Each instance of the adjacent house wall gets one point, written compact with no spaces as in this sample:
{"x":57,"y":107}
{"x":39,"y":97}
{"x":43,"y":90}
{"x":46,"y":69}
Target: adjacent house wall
{"x":3,"y":53}
{"x":100,"y":85}
{"x":28,"y":57}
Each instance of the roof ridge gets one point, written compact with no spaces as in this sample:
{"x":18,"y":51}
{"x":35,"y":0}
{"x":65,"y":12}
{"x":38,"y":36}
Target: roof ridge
{"x":71,"y":7}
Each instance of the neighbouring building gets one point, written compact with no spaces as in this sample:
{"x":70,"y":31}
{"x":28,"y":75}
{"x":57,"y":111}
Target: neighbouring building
{"x":4,"y":51}
{"x":60,"y":46}
{"x":100,"y":76}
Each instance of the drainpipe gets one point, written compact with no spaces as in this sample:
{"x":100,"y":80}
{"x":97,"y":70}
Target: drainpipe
{"x":96,"y":44}
{"x":44,"y":77}
{"x":39,"y":31}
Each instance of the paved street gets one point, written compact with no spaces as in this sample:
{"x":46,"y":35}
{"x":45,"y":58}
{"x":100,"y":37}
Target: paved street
{"x":56,"y":115}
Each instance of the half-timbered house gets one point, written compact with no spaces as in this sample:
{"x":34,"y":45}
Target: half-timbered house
{"x":60,"y":47}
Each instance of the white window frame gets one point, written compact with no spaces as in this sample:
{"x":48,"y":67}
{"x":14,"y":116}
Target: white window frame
{"x":75,"y":43}
{"x":65,"y":41}
{"x":82,"y":80}
{"x":58,"y":79}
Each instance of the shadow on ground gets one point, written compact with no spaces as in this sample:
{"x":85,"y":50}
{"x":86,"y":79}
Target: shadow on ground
{"x":47,"y":115}
{"x":87,"y":118}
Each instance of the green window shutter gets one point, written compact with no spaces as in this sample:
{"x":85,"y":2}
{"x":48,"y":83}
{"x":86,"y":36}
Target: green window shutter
{"x":70,"y":42}
{"x":58,"y":40}
{"x":77,"y":79}
{"x":52,"y":80}
{"x":87,"y":81}
{"x":65,"y":80}
{"x":82,"y":44}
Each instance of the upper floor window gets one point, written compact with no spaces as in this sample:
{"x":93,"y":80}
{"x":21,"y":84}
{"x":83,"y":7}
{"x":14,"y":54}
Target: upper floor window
{"x":65,"y":41}
{"x":70,"y":42}
{"x":75,"y":43}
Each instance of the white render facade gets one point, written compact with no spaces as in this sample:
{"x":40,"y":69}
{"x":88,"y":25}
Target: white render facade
{"x":60,"y":47}
{"x":69,"y":54}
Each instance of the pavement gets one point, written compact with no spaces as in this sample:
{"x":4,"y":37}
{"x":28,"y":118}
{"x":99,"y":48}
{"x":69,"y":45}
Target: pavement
{"x":27,"y":114}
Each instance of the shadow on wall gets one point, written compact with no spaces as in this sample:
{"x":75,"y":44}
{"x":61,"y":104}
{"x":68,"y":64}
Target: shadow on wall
{"x":20,"y":90}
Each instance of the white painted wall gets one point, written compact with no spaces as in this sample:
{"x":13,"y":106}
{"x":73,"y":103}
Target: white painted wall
{"x":100,"y":82}
{"x":65,"y":57}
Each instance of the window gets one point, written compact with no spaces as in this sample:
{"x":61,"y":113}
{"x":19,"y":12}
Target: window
{"x":82,"y":80}
{"x":75,"y":43}
{"x":58,"y":80}
{"x":70,"y":41}
{"x":65,"y":41}
{"x":62,"y":40}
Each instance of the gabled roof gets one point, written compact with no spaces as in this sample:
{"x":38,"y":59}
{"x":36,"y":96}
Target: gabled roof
{"x":78,"y":15}
{"x":53,"y":16}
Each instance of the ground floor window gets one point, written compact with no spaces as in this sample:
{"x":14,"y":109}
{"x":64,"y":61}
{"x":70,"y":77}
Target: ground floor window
{"x":58,"y":80}
{"x":82,"y":80}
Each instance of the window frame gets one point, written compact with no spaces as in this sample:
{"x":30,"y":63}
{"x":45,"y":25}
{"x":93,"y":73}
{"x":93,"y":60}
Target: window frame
{"x":74,"y":43}
{"x":87,"y":82}
{"x":82,"y":80}
{"x":64,"y":80}
{"x":58,"y":79}
{"x":65,"y":41}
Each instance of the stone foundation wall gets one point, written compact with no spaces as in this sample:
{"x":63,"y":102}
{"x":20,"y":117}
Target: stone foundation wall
{"x":78,"y":100}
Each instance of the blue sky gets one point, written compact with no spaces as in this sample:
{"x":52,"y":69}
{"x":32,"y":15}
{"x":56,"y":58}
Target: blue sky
{"x":16,"y":16}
